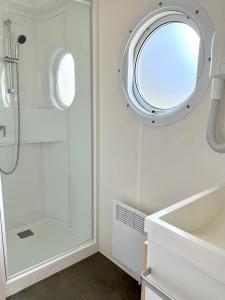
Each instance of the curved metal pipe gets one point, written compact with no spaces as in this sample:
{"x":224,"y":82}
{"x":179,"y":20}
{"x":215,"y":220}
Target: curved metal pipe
{"x":212,"y":127}
{"x":217,"y":98}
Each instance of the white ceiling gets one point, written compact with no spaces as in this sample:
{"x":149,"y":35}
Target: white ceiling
{"x":38,"y":8}
{"x":29,"y":3}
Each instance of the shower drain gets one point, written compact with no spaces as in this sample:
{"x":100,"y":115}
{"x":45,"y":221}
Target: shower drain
{"x":25,"y":234}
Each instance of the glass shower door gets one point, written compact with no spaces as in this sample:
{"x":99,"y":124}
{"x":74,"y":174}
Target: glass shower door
{"x":48,"y":200}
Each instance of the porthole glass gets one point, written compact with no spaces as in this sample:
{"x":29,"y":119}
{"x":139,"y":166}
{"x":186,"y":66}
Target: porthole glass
{"x":167,"y":65}
{"x":62,"y":79}
{"x":66,"y":80}
{"x":166,"y":62}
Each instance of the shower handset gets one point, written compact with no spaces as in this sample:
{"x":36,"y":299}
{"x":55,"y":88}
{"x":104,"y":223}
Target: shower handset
{"x":9,"y":59}
{"x":217,"y":73}
{"x":20,"y":40}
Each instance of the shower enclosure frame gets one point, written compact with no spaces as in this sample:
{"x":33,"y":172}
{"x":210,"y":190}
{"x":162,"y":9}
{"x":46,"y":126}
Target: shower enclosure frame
{"x":60,"y":262}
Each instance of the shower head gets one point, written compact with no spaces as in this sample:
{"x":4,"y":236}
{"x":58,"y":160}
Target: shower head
{"x":21,"y":39}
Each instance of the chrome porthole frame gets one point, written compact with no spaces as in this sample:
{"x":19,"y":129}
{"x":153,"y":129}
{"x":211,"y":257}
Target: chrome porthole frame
{"x":190,"y":13}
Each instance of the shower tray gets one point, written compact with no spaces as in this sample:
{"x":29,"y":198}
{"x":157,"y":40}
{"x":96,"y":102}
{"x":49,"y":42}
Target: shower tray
{"x":49,"y":238}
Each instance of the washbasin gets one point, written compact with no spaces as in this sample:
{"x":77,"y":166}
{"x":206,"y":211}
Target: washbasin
{"x":187,"y":247}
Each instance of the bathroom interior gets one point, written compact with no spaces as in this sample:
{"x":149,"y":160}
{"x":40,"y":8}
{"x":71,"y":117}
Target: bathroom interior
{"x":112,"y":150}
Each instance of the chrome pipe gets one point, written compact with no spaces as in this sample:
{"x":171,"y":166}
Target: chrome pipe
{"x":11,"y":88}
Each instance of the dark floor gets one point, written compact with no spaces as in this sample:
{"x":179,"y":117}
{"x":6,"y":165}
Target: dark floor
{"x":95,"y":278}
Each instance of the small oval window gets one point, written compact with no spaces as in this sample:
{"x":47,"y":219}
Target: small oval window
{"x":62,"y":79}
{"x":167,"y":65}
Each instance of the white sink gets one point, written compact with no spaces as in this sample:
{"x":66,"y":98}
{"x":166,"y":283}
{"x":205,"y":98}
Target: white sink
{"x":187,"y":247}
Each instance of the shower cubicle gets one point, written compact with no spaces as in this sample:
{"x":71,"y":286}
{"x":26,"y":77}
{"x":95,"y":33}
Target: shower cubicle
{"x":46,"y":138}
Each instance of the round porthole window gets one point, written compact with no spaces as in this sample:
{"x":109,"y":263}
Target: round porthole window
{"x":165,"y":67}
{"x":62,"y":79}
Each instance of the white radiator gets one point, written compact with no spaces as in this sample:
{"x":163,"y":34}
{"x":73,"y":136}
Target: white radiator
{"x":128,"y":237}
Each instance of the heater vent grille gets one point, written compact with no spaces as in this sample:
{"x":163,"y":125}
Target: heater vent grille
{"x":128,"y":238}
{"x":130,"y":218}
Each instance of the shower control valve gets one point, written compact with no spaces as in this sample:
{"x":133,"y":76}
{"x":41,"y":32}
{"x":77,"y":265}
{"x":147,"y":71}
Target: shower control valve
{"x":11,"y":91}
{"x":3,"y":129}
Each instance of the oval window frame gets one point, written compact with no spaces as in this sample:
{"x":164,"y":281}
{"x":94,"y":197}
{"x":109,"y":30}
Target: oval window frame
{"x":53,"y":78}
{"x":190,"y":13}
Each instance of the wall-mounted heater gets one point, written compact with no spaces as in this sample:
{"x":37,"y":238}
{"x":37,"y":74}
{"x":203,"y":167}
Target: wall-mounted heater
{"x":128,"y":238}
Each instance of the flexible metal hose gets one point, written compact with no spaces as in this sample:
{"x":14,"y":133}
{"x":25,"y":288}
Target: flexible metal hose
{"x":18,"y":126}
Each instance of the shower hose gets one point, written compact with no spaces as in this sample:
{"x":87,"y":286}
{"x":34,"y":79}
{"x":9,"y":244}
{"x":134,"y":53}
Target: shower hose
{"x":5,"y":172}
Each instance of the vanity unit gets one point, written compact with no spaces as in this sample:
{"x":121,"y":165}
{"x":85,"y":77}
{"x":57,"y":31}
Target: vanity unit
{"x":186,"y":249}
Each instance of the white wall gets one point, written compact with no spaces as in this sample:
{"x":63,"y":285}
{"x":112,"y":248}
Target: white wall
{"x":148,"y":168}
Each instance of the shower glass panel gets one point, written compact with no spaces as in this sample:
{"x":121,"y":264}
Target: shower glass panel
{"x":47,"y":201}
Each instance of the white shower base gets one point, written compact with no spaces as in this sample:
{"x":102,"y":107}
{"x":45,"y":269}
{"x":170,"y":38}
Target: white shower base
{"x":50,"y":238}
